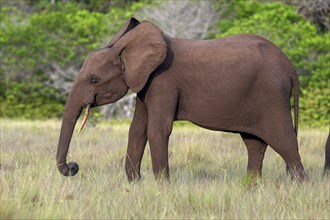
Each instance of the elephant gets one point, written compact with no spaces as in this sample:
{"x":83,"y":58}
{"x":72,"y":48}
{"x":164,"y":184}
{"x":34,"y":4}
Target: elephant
{"x":327,"y":156}
{"x":240,"y":84}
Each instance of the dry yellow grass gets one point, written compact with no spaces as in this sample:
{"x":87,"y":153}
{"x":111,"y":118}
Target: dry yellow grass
{"x":207,"y":177}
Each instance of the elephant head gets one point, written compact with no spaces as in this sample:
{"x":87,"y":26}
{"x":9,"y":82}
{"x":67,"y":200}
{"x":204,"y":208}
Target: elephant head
{"x":107,"y":74}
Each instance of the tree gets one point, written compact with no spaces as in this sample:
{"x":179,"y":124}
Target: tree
{"x":46,"y":49}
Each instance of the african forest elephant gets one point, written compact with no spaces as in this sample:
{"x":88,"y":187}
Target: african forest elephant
{"x":327,"y":156}
{"x":239,"y":84}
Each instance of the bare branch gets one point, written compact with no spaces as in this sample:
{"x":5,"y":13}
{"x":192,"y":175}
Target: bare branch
{"x":61,"y":79}
{"x":183,"y":19}
{"x":123,"y":108}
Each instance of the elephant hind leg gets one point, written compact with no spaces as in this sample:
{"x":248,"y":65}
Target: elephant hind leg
{"x":256,"y":148}
{"x":293,"y":161}
{"x":284,"y":141}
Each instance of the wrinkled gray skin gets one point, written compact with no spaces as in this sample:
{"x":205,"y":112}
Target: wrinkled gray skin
{"x":238,"y":84}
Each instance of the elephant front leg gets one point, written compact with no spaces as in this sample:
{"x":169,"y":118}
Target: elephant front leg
{"x":159,"y":130}
{"x":137,"y":140}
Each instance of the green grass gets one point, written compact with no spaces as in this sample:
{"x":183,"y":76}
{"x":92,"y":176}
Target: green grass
{"x":207,"y":177}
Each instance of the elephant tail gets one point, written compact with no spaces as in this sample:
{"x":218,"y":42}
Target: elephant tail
{"x":295,"y":84}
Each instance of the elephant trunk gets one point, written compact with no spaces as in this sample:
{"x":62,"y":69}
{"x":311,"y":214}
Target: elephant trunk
{"x":71,"y":114}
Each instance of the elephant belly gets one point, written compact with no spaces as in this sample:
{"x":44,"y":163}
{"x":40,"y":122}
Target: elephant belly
{"x":213,"y":114}
{"x":241,"y":119}
{"x":236,"y":108}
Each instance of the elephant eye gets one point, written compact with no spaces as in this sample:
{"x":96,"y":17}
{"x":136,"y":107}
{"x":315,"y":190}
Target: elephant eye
{"x":93,"y":80}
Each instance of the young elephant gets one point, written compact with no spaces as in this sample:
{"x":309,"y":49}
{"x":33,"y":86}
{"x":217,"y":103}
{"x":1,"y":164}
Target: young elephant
{"x":327,"y":157}
{"x":240,"y":84}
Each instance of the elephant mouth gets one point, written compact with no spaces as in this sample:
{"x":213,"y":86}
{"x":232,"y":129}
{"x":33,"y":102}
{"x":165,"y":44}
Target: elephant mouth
{"x":88,"y":109}
{"x":108,"y":96}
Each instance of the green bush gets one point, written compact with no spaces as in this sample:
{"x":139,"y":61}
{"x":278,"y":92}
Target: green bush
{"x":299,"y":40}
{"x":315,"y":102}
{"x":30,"y":100}
{"x":31,"y":44}
{"x":61,"y":36}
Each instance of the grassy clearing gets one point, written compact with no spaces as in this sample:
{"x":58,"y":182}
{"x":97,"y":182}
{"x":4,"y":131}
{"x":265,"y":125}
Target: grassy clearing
{"x":207,"y":175}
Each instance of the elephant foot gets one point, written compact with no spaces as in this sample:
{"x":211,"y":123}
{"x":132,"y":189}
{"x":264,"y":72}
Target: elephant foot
{"x":133,"y":176}
{"x":298,"y":174}
{"x":252,"y":179}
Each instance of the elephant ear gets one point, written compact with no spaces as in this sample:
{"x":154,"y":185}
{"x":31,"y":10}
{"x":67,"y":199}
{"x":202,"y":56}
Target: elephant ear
{"x":141,"y":51}
{"x":130,"y":24}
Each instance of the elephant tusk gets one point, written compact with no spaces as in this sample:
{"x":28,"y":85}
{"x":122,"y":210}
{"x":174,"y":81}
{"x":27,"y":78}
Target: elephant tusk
{"x":88,"y":109}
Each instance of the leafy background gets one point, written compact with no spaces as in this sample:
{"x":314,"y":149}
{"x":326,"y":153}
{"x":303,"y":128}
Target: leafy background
{"x":43,"y":44}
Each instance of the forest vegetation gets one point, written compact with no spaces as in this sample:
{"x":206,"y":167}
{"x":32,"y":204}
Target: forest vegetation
{"x":44,"y":42}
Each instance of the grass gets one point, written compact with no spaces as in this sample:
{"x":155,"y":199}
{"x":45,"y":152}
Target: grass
{"x":207,"y":177}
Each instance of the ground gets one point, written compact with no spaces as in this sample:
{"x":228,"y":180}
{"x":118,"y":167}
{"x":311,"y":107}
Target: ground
{"x":207,"y":177}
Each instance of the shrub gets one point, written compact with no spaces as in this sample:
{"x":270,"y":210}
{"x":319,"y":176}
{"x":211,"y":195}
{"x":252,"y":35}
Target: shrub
{"x":35,"y":47}
{"x":30,"y":100}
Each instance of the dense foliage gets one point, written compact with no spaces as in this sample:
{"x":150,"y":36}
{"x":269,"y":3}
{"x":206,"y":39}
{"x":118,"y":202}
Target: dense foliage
{"x":35,"y":46}
{"x":48,"y":39}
